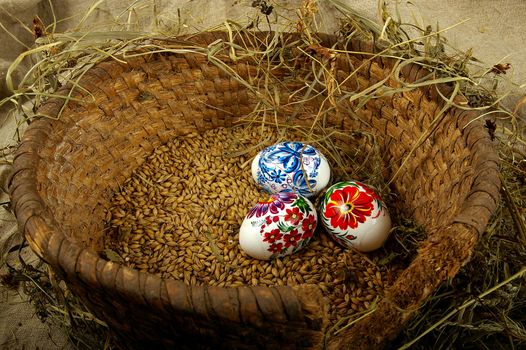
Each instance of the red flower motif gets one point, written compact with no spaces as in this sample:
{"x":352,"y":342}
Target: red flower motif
{"x":375,"y":196}
{"x":307,"y":234}
{"x":294,"y":215}
{"x":309,"y":224}
{"x":272,"y":236}
{"x":292,"y":238}
{"x":370,"y":191}
{"x":348,"y":206}
{"x":275,"y":247}
{"x":270,"y":219}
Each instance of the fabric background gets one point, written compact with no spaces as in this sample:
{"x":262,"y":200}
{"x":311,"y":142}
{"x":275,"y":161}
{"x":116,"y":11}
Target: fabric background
{"x":494,"y":31}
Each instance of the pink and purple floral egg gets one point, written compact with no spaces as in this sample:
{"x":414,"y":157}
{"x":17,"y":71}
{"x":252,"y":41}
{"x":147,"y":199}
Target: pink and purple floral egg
{"x":291,"y":167}
{"x":279,"y":226}
{"x":354,"y":215}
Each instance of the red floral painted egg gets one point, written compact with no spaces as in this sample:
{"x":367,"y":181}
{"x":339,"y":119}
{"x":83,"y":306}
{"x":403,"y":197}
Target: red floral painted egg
{"x":355,"y":216}
{"x":279,"y":226}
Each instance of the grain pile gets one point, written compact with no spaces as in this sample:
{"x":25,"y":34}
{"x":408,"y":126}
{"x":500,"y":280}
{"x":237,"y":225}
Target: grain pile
{"x":179,"y":214}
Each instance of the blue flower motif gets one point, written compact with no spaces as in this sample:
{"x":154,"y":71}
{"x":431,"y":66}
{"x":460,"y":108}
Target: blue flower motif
{"x":261,"y":177}
{"x":280,"y":166}
{"x":290,"y":153}
{"x":277,"y":176}
{"x":300,"y":183}
{"x":316,"y":162}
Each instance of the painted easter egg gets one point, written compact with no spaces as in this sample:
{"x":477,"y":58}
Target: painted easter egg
{"x":291,"y":167}
{"x":279,"y":226}
{"x":355,"y":216}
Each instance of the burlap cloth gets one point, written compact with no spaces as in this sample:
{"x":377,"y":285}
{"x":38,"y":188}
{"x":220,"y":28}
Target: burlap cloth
{"x":494,"y":30}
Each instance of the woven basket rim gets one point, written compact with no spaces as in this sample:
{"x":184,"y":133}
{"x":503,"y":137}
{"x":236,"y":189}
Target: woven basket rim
{"x":41,"y":230}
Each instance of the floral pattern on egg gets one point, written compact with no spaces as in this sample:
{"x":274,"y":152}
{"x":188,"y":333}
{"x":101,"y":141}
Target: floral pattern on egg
{"x":355,"y":216}
{"x":291,"y":166}
{"x":279,"y":226}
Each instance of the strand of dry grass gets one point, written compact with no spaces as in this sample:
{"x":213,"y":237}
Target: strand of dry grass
{"x":464,"y":306}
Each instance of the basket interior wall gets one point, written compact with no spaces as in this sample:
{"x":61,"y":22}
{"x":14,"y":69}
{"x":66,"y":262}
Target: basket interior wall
{"x":95,"y":146}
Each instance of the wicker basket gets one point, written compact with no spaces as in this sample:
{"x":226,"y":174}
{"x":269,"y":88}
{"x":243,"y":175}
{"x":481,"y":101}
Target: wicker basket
{"x":66,"y":170}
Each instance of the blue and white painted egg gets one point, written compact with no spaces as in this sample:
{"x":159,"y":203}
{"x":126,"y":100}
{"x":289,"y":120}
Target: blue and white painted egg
{"x":291,"y":167}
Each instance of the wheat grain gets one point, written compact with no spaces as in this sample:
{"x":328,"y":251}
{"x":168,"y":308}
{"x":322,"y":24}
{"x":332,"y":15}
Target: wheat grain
{"x":183,"y":208}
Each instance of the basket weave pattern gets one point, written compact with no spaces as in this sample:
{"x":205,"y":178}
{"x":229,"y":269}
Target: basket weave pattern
{"x":67,"y":169}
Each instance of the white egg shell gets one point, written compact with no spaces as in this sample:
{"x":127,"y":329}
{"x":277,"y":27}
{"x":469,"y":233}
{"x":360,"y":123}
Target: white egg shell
{"x":283,"y":166}
{"x":355,"y":216}
{"x":279,"y":226}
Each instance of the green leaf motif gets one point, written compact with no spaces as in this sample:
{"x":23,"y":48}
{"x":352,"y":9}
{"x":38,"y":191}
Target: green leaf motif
{"x":343,"y":236}
{"x":284,"y":228}
{"x":302,"y":205}
{"x":328,"y":195}
{"x":335,"y":187}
